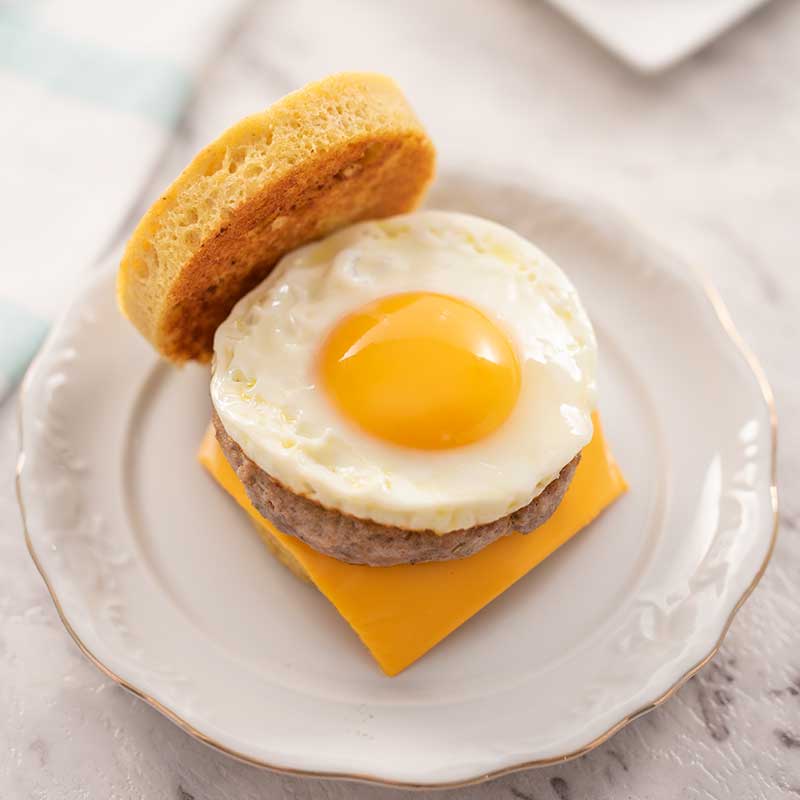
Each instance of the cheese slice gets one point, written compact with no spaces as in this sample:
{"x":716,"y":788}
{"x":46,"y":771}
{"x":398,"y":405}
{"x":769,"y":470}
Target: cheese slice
{"x":401,"y":612}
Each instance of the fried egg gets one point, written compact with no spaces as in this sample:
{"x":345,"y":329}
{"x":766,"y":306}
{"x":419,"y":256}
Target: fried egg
{"x":431,"y":371}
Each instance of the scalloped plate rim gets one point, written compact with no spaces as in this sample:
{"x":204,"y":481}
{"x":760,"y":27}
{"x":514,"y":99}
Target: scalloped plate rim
{"x":701,"y":283}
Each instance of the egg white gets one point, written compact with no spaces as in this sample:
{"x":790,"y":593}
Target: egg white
{"x":265,"y":390}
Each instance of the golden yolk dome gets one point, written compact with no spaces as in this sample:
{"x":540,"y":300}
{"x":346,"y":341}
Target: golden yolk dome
{"x":421,"y":370}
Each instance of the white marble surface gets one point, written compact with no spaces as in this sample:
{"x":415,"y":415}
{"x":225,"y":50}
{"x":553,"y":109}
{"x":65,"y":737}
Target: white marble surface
{"x":707,"y":158}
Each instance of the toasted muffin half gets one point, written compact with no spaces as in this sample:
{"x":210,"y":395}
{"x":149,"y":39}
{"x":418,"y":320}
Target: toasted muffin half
{"x":338,"y":151}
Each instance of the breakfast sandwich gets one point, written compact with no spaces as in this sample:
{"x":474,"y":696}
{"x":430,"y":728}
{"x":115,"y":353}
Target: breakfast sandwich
{"x":403,"y":401}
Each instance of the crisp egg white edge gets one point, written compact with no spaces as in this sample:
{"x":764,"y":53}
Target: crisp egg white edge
{"x":314,"y":452}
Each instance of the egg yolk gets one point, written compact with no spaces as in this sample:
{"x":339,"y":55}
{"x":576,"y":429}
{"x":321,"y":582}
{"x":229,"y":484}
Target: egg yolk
{"x":421,"y":370}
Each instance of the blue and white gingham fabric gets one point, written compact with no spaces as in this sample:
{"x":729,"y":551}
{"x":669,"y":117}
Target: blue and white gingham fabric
{"x":90,"y":91}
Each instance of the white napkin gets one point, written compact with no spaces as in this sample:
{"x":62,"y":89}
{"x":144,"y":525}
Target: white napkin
{"x":91,"y":92}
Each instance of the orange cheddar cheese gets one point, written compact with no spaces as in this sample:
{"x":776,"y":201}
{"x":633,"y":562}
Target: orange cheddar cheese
{"x":403,"y":611}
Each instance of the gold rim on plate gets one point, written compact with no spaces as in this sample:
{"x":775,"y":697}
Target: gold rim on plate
{"x":725,"y":320}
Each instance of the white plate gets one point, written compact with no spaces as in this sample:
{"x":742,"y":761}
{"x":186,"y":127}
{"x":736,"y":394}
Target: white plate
{"x":654,"y":34}
{"x":165,"y":585}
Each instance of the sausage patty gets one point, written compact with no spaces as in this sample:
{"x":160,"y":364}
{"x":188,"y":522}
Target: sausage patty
{"x":361,"y":541}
